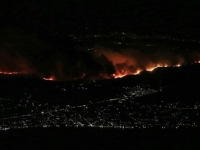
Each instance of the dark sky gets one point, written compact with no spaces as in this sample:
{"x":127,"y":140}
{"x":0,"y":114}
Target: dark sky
{"x":100,"y":16}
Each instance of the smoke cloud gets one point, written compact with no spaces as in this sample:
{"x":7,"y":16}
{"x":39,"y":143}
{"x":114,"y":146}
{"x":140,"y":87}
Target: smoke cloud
{"x":130,"y":61}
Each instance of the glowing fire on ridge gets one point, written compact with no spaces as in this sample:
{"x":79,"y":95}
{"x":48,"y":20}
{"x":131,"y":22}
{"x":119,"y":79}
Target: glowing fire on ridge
{"x":123,"y":73}
{"x":119,"y":73}
{"x":6,"y":72}
{"x":50,"y":78}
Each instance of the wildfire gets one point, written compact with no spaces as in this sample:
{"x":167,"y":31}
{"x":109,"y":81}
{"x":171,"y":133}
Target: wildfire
{"x":156,"y":66}
{"x":123,"y":73}
{"x":120,"y":73}
{"x":50,"y":78}
{"x":178,"y":65}
{"x":10,"y":73}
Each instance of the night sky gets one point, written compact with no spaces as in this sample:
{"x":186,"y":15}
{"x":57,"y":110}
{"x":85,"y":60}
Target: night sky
{"x":100,"y":16}
{"x":34,"y":35}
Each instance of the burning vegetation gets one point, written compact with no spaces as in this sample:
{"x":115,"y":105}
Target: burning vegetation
{"x":22,"y":53}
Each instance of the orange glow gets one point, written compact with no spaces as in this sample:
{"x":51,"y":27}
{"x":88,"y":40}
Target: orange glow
{"x":121,"y":70}
{"x":132,"y":62}
{"x":10,"y":73}
{"x":83,"y":75}
{"x":151,"y":69}
{"x":156,"y":66}
{"x":50,"y":78}
{"x":178,"y":65}
{"x":124,"y":73}
{"x":137,"y":72}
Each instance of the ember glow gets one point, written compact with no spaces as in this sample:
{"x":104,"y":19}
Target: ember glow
{"x":50,"y":78}
{"x":21,"y":54}
{"x":178,"y":65}
{"x":24,"y":54}
{"x":10,"y":73}
{"x":133,"y":62}
{"x":118,"y":73}
{"x":124,"y":73}
{"x":150,"y":69}
{"x":121,"y":75}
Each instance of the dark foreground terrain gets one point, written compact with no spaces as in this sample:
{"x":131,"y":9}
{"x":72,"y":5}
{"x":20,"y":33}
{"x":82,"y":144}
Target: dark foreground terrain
{"x":155,"y":110}
{"x":85,"y":138}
